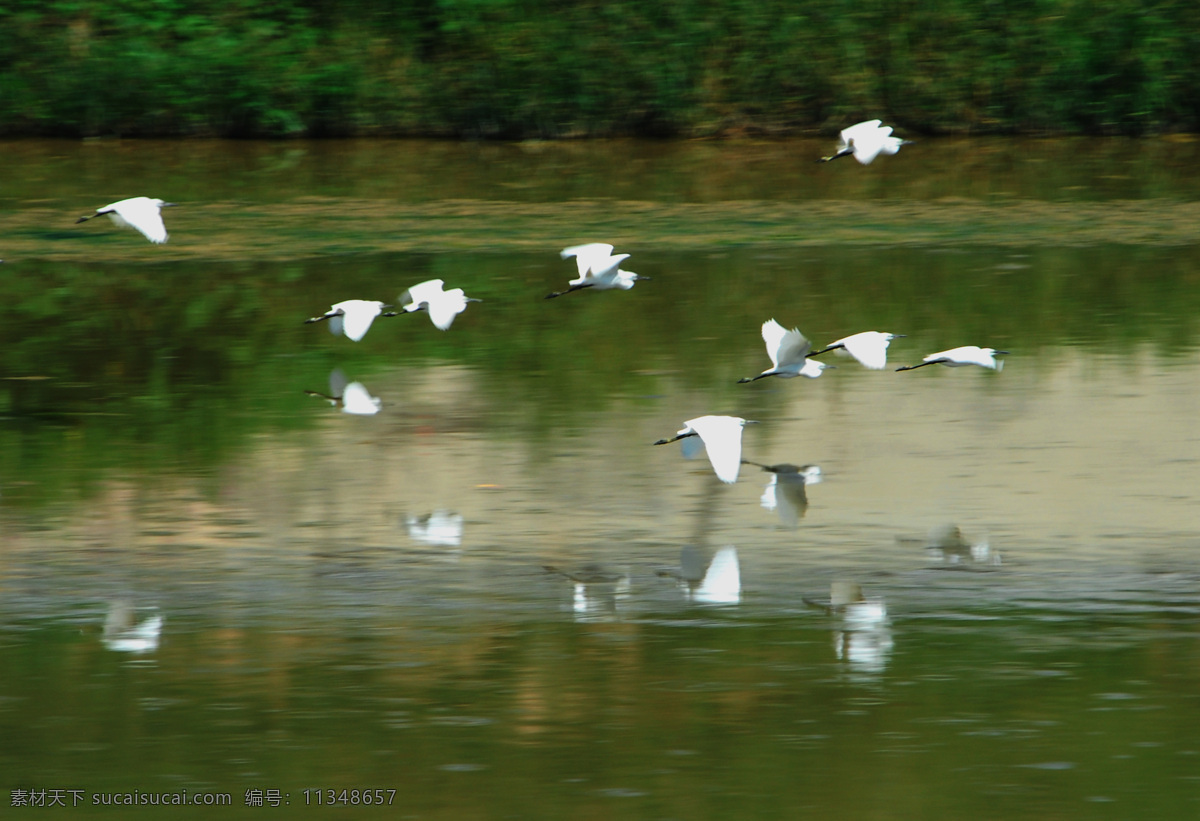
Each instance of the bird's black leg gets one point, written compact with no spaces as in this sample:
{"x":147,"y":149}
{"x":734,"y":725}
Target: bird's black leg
{"x":914,"y":367}
{"x":675,"y":438}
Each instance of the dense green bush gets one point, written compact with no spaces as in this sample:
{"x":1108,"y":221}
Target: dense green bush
{"x":553,"y":68}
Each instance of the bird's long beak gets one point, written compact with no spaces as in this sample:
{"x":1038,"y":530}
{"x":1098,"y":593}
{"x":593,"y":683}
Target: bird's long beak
{"x":1003,"y":352}
{"x":168,"y":205}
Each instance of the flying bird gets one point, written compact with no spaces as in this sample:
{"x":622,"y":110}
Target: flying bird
{"x":443,"y":306}
{"x":869,"y":348}
{"x":353,"y":317}
{"x":598,"y":268}
{"x":722,"y":438}
{"x":866,"y":141}
{"x":789,"y":354}
{"x":960,"y":357}
{"x":140,"y":213}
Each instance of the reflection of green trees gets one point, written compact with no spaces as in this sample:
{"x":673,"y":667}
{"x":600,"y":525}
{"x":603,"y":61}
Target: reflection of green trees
{"x":509,"y":68}
{"x":149,"y":367}
{"x":672,"y":710}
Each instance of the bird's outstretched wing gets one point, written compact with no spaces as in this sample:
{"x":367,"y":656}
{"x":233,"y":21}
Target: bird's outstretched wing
{"x":722,"y":437}
{"x":446,"y":306}
{"x":586,"y":255}
{"x":783,"y":346}
{"x":869,"y":348}
{"x":420,"y":295}
{"x":356,"y":322}
{"x":142,"y":214}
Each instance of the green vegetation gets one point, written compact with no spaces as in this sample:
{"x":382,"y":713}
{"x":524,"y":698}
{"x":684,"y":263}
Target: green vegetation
{"x":555,"y":68}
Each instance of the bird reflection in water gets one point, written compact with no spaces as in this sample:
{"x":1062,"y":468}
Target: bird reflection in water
{"x":352,"y":398}
{"x":786,"y":491}
{"x":705,"y":581}
{"x":862,"y":635}
{"x":948,"y":546}
{"x":124,"y":635}
{"x":438,"y":529}
{"x":599,"y":593}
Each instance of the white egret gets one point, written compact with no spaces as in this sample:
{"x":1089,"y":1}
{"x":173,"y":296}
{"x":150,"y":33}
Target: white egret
{"x":123,"y":635}
{"x":598,"y":268}
{"x":960,"y":357}
{"x":866,"y":141}
{"x":353,"y":317}
{"x":722,"y":438}
{"x":789,"y":354}
{"x":869,"y":348}
{"x":443,"y":306}
{"x":140,"y":213}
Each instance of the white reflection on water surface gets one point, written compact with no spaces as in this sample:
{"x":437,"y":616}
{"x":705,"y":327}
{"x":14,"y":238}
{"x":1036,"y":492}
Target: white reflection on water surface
{"x":351,"y":397}
{"x":124,"y":634}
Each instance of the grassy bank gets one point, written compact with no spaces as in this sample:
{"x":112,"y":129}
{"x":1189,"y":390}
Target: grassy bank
{"x":557,"y":68}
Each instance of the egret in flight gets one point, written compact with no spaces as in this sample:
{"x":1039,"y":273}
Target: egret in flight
{"x":598,"y":268}
{"x":789,"y":354}
{"x":140,"y":213}
{"x":960,"y":357}
{"x":868,"y":347}
{"x":722,"y":438}
{"x":443,"y":306}
{"x":353,"y":317}
{"x":866,"y":141}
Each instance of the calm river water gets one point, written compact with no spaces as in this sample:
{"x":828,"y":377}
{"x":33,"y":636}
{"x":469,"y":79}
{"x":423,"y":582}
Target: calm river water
{"x":495,"y":598}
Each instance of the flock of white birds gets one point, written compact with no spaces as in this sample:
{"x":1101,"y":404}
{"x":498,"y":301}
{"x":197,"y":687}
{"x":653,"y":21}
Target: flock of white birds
{"x":599,"y":268}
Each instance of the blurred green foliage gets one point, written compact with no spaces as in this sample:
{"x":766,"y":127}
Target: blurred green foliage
{"x":140,"y":370}
{"x":554,"y":68}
